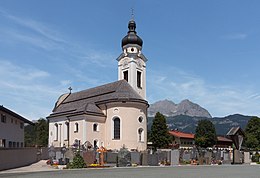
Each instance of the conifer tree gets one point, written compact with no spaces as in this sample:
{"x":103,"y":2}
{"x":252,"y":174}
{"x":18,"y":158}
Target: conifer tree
{"x":159,"y":132}
{"x":78,"y":162}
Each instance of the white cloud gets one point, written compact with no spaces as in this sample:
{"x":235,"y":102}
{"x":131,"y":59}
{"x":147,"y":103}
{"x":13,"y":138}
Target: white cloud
{"x":13,"y":72}
{"x":219,"y":100}
{"x":40,"y":35}
{"x":35,"y":26}
{"x":27,"y":89}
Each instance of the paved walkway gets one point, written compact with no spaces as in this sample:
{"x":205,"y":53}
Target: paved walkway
{"x":36,"y":167}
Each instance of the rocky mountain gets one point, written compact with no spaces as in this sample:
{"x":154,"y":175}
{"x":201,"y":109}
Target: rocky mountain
{"x":185,"y":116}
{"x":170,"y":109}
{"x":188,"y":124}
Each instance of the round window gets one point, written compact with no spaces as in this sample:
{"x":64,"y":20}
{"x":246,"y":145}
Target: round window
{"x":140,"y":119}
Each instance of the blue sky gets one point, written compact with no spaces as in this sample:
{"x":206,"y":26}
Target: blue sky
{"x":204,"y":51}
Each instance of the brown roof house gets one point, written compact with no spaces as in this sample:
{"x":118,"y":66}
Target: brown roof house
{"x":11,"y":128}
{"x":186,"y":140}
{"x":182,"y":139}
{"x":112,"y":115}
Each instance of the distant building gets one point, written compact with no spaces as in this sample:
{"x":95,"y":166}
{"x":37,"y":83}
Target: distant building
{"x":112,"y":115}
{"x":11,"y":129}
{"x":182,"y":139}
{"x":223,"y":142}
{"x":187,"y":141}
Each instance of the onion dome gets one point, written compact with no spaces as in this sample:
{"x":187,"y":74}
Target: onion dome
{"x":131,"y":37}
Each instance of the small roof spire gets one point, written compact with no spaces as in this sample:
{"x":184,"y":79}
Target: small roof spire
{"x":70,"y":89}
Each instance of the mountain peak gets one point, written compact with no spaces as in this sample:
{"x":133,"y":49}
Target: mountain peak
{"x":185,"y":107}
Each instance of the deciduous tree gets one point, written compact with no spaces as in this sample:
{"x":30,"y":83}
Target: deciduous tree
{"x":252,"y":132}
{"x":205,"y":135}
{"x":37,"y":134}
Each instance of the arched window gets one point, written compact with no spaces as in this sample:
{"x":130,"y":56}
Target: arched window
{"x":95,"y":127}
{"x":66,"y":131}
{"x":56,"y":131}
{"x":76,"y":127}
{"x":116,"y":128}
{"x":139,"y":79}
{"x":126,"y":75}
{"x":95,"y":144}
{"x":140,"y":135}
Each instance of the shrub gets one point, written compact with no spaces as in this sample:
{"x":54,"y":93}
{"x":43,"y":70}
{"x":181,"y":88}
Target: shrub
{"x":256,"y":157}
{"x":78,"y":162}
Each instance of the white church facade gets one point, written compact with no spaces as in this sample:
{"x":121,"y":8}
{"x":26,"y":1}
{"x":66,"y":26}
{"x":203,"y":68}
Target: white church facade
{"x":112,"y":115}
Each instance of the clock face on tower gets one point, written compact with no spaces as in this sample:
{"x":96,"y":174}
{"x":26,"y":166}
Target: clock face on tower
{"x":125,"y":63}
{"x":139,"y":63}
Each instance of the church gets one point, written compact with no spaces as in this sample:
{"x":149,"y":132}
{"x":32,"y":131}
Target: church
{"x":111,"y":115}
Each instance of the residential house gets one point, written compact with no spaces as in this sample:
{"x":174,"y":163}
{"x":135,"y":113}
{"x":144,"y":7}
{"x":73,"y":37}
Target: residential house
{"x":187,"y":141}
{"x":11,"y":129}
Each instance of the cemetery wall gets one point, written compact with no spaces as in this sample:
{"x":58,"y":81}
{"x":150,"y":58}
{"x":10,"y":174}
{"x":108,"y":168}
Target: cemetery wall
{"x":13,"y":158}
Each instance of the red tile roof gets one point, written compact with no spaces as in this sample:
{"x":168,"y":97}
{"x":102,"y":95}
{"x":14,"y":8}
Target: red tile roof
{"x":180,"y":134}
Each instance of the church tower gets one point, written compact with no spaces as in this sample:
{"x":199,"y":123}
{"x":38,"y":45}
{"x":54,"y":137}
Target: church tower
{"x":132,"y":63}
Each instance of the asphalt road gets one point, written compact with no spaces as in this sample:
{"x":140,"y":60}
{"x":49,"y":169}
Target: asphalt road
{"x":230,"y":171}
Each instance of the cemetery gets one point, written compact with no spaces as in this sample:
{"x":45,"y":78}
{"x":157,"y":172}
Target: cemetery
{"x":101,"y":157}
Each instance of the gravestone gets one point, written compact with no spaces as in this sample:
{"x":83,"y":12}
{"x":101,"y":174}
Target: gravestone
{"x":58,"y":155}
{"x":135,"y":158}
{"x":152,"y":159}
{"x":208,"y":156}
{"x":237,"y":157}
{"x":124,"y":158}
{"x":89,"y":157}
{"x":144,"y":159}
{"x":247,"y":159}
{"x":69,"y":155}
{"x":110,"y":157}
{"x":218,"y":155}
{"x":52,"y":153}
{"x":162,"y":156}
{"x":226,"y":158}
{"x":175,"y":157}
{"x":186,"y":156}
{"x":194,"y":153}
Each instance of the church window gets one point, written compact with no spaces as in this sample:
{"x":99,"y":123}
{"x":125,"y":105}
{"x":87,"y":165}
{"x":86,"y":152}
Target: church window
{"x":56,"y":131}
{"x":140,"y":119}
{"x":76,"y":127}
{"x":126,"y":75}
{"x":138,"y":79}
{"x":66,"y":131}
{"x":140,"y":135}
{"x":95,"y":127}
{"x":95,"y":144}
{"x":117,"y":128}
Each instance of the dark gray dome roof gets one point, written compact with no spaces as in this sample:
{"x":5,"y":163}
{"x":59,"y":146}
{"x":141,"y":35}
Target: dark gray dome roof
{"x":131,"y":37}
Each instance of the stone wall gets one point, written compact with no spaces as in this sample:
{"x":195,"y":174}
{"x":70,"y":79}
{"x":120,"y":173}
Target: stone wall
{"x":13,"y":158}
